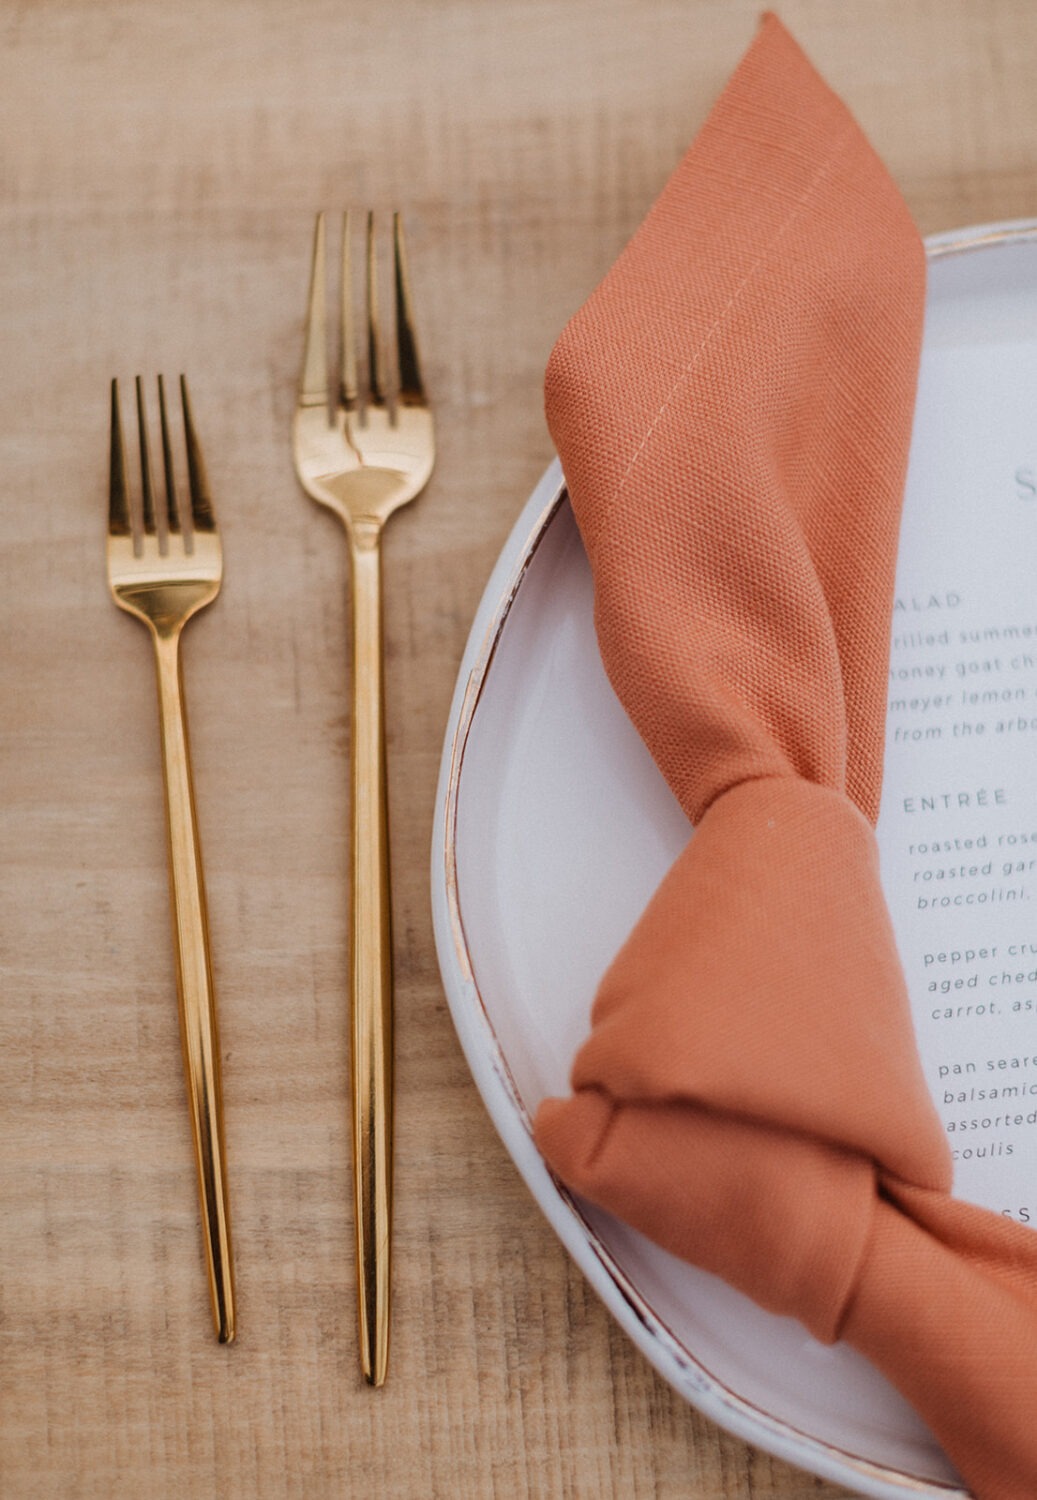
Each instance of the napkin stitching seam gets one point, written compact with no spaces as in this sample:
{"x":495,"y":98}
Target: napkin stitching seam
{"x":822,"y":171}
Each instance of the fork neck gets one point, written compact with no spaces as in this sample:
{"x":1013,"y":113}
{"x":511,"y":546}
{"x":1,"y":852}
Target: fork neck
{"x":365,"y":532}
{"x":166,"y":642}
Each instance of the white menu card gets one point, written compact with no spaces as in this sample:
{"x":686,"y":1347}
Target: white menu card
{"x":958,"y":830}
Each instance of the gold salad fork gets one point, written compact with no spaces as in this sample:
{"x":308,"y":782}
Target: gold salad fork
{"x":163,"y":569}
{"x":364,"y":455}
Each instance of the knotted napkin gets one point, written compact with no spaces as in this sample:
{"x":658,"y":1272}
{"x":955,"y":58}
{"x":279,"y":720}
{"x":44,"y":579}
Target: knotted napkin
{"x":733,"y":409}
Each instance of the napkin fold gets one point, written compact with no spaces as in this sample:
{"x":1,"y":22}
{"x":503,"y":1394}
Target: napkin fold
{"x":732,"y":408}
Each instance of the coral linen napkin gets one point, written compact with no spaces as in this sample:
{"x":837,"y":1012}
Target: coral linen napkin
{"x":733,"y":408}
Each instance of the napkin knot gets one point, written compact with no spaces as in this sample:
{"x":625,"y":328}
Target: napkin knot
{"x":770,"y":1112}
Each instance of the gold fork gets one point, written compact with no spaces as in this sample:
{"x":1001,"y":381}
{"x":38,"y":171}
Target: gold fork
{"x":163,"y":572}
{"x":363,"y":456}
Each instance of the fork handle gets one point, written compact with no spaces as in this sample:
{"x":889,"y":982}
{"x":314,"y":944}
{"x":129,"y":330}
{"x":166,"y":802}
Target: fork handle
{"x":198,"y":1031}
{"x":372,"y":982}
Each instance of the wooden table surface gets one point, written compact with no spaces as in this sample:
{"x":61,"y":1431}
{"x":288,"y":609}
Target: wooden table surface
{"x":160,"y":167}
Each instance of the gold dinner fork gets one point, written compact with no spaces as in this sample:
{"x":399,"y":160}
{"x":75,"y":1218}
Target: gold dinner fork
{"x":363,"y":456}
{"x":163,"y":572}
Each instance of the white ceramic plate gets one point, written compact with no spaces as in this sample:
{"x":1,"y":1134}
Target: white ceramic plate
{"x":553,"y":828}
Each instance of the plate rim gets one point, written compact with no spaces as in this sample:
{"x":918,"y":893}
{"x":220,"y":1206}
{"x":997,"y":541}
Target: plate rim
{"x":488,"y":1063}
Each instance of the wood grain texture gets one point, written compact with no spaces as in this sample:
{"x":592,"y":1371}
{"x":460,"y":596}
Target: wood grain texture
{"x":160,"y":168}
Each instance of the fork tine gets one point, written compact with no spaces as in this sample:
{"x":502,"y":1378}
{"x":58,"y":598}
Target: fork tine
{"x":375,"y":372}
{"x":118,"y":494}
{"x":313,"y":385}
{"x":147,"y":493}
{"x":202,"y":516}
{"x":412,"y":388}
{"x":172,"y":510}
{"x":349,"y":391}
